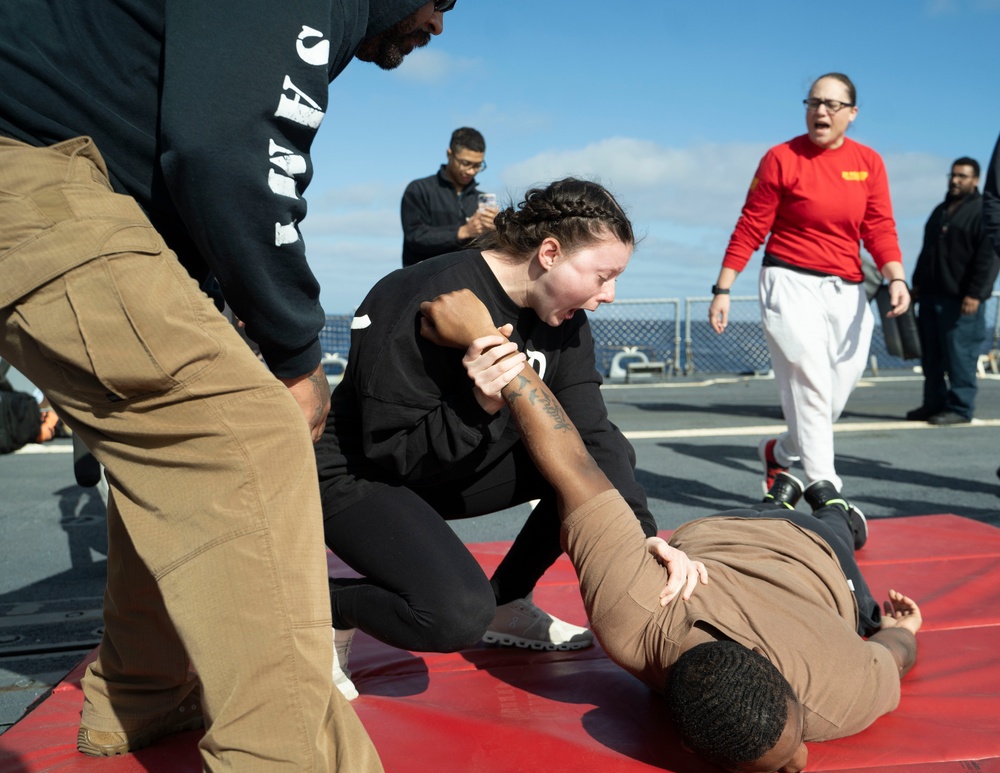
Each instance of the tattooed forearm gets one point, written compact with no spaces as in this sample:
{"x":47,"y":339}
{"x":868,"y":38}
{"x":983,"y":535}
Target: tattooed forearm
{"x":513,"y":391}
{"x":538,"y":396}
{"x":551,"y":408}
{"x":321,"y":390}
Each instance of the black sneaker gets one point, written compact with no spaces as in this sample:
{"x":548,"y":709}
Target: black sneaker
{"x":948,"y":418}
{"x":786,"y":490}
{"x":923,"y":413}
{"x":822,"y":493}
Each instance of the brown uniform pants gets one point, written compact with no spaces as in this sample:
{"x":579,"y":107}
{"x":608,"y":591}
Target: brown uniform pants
{"x":215,"y":541}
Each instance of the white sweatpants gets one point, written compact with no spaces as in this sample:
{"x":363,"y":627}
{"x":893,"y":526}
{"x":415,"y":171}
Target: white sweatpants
{"x":818,"y":331}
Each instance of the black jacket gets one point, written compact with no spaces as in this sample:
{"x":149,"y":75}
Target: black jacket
{"x":957,"y":259}
{"x":204,"y":113}
{"x":432,"y":212}
{"x":991,"y":199}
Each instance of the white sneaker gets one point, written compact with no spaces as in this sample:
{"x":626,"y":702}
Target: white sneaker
{"x":341,"y":675}
{"x":521,"y":624}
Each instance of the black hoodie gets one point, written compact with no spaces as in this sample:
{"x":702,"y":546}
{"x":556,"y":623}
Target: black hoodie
{"x":204,"y":113}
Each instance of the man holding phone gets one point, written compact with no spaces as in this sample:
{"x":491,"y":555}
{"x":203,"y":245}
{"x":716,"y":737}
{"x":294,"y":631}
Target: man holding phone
{"x":444,"y":212}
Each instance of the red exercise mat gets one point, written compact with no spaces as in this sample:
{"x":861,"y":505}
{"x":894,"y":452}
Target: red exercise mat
{"x":491,"y":710}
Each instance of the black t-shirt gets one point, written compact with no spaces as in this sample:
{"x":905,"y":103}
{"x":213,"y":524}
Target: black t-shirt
{"x":405,"y":413}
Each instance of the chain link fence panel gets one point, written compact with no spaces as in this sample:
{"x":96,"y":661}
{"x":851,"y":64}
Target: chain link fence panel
{"x":740,"y":349}
{"x":335,"y":340}
{"x":637,"y":332}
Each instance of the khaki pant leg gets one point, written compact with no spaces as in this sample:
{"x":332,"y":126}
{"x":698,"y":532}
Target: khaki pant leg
{"x":215,"y":485}
{"x":137,"y":627}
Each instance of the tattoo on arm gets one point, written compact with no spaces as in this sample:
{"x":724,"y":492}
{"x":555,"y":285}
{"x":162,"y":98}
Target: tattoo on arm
{"x":515,"y":387}
{"x":543,"y":399}
{"x":319,"y":384}
{"x":551,"y":408}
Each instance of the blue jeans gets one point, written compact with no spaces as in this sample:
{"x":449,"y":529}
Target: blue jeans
{"x":951,"y":343}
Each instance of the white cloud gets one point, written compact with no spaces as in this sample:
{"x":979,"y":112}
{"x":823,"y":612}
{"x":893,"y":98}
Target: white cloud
{"x":700,"y":185}
{"x":684,"y":203}
{"x":376,"y":223}
{"x":358,"y":195}
{"x":363,"y":210}
{"x":522,"y":119}
{"x":348,"y":268}
{"x":917,"y":182}
{"x":432,"y":65}
{"x":704,"y":186}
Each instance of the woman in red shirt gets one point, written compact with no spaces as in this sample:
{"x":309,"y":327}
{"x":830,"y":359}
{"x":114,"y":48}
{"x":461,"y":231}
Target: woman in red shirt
{"x":817,"y":195}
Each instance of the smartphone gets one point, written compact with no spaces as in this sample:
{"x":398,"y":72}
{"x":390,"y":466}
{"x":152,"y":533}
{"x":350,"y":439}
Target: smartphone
{"x":487,"y":201}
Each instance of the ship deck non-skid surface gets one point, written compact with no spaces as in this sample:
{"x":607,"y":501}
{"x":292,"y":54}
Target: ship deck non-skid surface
{"x":492,"y":710}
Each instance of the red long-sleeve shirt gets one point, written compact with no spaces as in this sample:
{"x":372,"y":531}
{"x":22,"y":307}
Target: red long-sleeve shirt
{"x":817,"y":204}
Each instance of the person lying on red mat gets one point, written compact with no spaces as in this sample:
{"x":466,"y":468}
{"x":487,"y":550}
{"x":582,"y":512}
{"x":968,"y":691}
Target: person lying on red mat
{"x":769,"y":654}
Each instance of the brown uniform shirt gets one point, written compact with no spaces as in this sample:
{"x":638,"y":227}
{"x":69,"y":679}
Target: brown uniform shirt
{"x":773,"y":587}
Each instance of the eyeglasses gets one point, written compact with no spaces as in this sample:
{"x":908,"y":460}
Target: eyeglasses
{"x":471,"y":166}
{"x":830,"y":104}
{"x":443,"y":6}
{"x":958,"y":176}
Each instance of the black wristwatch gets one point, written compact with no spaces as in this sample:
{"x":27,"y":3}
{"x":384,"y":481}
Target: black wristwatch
{"x":716,"y":290}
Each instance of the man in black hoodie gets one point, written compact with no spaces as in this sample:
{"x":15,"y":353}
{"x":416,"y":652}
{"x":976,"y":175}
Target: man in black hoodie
{"x":145,"y":145}
{"x":991,"y":199}
{"x":953,"y":279}
{"x":991,"y":205}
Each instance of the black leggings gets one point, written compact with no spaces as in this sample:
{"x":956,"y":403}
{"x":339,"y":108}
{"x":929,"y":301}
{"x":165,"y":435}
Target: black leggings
{"x":832,"y":524}
{"x":421,"y":589}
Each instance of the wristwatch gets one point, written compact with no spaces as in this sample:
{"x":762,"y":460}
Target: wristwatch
{"x":716,"y":290}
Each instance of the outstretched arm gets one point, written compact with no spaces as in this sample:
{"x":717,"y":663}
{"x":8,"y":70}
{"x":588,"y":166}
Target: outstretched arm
{"x":460,"y":319}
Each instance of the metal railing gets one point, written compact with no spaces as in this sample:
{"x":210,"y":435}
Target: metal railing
{"x":637,"y":332}
{"x":741,"y":349}
{"x":642,"y":335}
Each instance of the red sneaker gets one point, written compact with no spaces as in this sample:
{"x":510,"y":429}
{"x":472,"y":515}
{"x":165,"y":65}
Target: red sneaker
{"x":771,"y":467}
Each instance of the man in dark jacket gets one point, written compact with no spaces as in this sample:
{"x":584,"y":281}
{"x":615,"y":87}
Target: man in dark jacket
{"x":953,"y":278}
{"x":442,"y":213}
{"x":145,"y":144}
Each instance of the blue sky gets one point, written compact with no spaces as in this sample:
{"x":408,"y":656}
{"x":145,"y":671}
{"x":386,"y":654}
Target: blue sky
{"x":670,"y":104}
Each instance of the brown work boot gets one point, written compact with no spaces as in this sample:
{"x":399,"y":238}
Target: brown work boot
{"x":187,"y":716}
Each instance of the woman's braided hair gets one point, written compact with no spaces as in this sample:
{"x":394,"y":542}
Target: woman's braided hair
{"x":730,"y":704}
{"x":575,"y":212}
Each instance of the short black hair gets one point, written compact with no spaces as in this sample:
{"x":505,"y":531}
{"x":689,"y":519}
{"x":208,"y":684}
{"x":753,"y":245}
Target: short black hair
{"x":467,"y":138}
{"x":966,"y":161}
{"x":730,"y":705}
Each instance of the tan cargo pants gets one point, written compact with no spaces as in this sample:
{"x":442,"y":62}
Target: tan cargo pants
{"x":215,"y":541}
